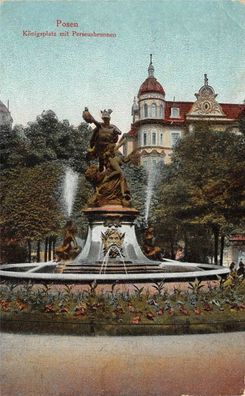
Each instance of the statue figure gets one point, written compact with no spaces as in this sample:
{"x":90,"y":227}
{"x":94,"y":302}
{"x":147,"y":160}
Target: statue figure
{"x":151,"y":251}
{"x":103,"y":134}
{"x":69,"y":248}
{"x":108,"y":179}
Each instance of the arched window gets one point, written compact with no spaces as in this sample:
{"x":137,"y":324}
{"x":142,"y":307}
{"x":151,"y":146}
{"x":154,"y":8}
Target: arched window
{"x":154,"y":138}
{"x":161,"y":111}
{"x":161,"y":139}
{"x":153,"y":110}
{"x":145,"y":110}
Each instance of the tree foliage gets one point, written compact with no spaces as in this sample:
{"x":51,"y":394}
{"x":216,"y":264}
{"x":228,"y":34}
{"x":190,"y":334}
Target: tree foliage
{"x":50,"y":139}
{"x":204,"y":184}
{"x":136,"y":179}
{"x":33,"y":163}
{"x":30,"y":205}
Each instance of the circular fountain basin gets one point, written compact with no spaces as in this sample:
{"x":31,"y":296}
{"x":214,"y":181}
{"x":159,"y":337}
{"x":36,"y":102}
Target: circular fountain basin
{"x":169,"y":271}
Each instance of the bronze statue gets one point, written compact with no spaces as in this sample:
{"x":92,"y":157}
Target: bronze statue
{"x":69,"y":248}
{"x":110,"y":184}
{"x":151,"y":251}
{"x":103,"y":134}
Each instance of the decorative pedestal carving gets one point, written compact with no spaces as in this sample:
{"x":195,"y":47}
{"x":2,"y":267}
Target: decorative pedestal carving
{"x":111,"y":245}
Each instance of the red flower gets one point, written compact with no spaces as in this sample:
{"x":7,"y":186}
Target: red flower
{"x":171,"y":311}
{"x":208,"y":307}
{"x":49,"y":308}
{"x":184,"y":311}
{"x":150,"y":316}
{"x":136,"y":320}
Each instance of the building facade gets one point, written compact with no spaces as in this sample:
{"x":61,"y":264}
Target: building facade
{"x":5,"y":115}
{"x":158,"y":124}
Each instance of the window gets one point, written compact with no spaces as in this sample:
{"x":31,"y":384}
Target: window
{"x":145,"y":139}
{"x":175,"y":112}
{"x":153,"y":110}
{"x":145,"y":110}
{"x":161,"y":139}
{"x":175,"y":138}
{"x":154,"y":138}
{"x":161,"y":111}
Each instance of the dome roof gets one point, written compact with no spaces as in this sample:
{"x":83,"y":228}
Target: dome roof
{"x":151,"y":85}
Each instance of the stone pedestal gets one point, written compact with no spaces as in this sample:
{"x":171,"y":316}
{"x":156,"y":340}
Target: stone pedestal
{"x":111,"y":245}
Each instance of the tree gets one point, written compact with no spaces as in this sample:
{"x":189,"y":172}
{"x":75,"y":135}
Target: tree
{"x":242,"y":122}
{"x":30,"y":204}
{"x":136,"y":179}
{"x":205,"y":184}
{"x":50,"y":139}
{"x":12,"y":147}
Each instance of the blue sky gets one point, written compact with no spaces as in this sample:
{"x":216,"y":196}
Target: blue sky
{"x":186,"y":38}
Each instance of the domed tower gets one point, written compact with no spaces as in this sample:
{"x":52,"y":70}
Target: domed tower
{"x":148,"y":113}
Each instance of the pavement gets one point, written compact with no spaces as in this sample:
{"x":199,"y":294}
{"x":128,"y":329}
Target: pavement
{"x":193,"y":365}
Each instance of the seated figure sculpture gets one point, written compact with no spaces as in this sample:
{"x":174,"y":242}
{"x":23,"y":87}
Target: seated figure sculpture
{"x":69,"y":248}
{"x":151,"y":251}
{"x":108,"y":179}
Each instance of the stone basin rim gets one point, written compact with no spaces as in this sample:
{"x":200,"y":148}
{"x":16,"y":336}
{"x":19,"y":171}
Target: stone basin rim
{"x":211,"y":272}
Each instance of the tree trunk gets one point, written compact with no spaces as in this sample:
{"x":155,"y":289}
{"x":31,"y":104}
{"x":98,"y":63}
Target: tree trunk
{"x":46,"y":250}
{"x":38,"y":251}
{"x":172,"y":250}
{"x":29,"y":251}
{"x":54,"y":243}
{"x":186,"y":247}
{"x":222,"y":245}
{"x":216,"y":243}
{"x":50,"y":248}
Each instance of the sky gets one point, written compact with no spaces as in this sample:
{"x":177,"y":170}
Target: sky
{"x":186,"y":37}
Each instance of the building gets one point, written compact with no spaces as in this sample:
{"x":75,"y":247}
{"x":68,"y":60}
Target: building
{"x":5,"y":115}
{"x":235,"y":251}
{"x":158,"y":124}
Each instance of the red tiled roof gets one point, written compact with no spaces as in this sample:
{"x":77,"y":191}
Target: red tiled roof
{"x":232,"y":110}
{"x":151,"y":85}
{"x":184,"y":109}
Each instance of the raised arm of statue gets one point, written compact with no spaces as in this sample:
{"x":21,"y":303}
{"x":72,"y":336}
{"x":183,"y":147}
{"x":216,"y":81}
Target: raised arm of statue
{"x":87,"y":116}
{"x":97,"y":123}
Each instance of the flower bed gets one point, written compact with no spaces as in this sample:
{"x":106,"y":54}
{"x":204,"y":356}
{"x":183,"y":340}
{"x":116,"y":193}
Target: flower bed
{"x":198,"y":308}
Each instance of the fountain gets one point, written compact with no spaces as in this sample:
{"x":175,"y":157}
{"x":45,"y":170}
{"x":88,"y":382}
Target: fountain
{"x":69,"y":189}
{"x":111,"y":252}
{"x":153,"y":176}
